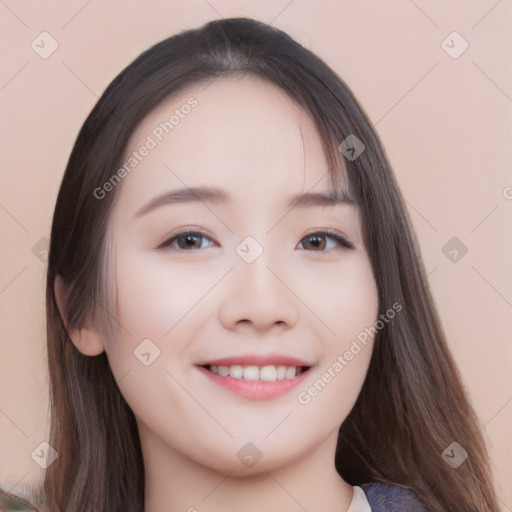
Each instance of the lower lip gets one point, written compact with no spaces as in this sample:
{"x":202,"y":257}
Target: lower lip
{"x":255,"y":389}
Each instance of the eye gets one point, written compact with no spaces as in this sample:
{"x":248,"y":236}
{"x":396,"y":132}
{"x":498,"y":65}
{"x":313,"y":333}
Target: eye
{"x":319,"y":241}
{"x":185,"y":240}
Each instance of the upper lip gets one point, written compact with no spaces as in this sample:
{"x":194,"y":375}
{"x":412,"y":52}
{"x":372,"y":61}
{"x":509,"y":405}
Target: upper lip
{"x":257,"y":360}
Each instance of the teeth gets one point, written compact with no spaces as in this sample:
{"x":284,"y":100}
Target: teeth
{"x":291,"y":371}
{"x":281,"y":372}
{"x":251,"y":373}
{"x":268,"y":373}
{"x":236,"y":371}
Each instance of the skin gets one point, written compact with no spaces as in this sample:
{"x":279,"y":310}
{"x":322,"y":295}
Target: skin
{"x":250,"y":139}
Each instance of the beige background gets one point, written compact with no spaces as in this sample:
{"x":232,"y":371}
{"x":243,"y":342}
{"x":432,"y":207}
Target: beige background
{"x":445,"y":122}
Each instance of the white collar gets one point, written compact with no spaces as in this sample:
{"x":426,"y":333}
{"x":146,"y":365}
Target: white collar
{"x":359,"y":501}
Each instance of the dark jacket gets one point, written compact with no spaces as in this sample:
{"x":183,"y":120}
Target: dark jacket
{"x":391,"y":498}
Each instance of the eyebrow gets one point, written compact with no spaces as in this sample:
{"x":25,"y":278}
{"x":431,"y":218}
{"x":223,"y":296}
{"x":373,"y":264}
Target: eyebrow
{"x":216,"y":196}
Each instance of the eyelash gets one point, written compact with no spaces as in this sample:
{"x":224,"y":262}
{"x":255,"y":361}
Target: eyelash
{"x":328,"y":233}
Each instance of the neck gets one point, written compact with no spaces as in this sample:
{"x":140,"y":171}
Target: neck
{"x":176,"y":483}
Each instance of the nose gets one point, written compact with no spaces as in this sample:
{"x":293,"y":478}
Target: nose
{"x":258,"y":296}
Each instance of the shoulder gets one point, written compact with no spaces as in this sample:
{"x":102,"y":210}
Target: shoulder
{"x":22,"y":500}
{"x":391,"y":498}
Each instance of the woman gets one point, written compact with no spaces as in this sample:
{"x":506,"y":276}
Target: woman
{"x":233,"y":373}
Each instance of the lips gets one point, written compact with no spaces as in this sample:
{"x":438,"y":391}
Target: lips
{"x":258,"y":360}
{"x":256,"y":377}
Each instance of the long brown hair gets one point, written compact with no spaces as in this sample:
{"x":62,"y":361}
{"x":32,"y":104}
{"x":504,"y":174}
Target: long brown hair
{"x":412,"y":405}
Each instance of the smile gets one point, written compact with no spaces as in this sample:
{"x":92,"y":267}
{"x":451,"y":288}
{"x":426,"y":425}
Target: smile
{"x":269,"y":373}
{"x":256,"y":377}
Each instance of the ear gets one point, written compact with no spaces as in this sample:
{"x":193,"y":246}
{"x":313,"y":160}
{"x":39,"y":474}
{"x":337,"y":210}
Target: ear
{"x":86,"y":339}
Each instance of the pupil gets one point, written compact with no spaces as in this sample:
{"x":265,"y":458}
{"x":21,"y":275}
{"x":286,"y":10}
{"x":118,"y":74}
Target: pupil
{"x":189,"y":240}
{"x":316,"y":241}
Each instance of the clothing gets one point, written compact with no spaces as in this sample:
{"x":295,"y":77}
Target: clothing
{"x":10,"y":502}
{"x":370,"y":497}
{"x":388,"y":498}
{"x":359,"y":501}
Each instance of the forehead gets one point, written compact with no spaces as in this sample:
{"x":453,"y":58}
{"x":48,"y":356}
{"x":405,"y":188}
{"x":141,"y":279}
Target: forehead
{"x":242,"y":134}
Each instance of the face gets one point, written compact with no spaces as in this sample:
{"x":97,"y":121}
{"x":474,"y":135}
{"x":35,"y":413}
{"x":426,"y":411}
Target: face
{"x":239,"y":306}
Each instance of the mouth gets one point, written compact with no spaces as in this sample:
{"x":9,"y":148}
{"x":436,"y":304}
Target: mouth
{"x":268,"y":373}
{"x":256,"y":377}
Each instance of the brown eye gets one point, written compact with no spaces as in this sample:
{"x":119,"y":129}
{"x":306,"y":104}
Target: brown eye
{"x":186,"y":240}
{"x":323,"y":241}
{"x":316,"y":242}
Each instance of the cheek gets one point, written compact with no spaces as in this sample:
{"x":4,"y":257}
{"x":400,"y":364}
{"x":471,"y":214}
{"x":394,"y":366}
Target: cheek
{"x":359,"y":302}
{"x":155,"y":295}
{"x":343,"y":297}
{"x":159,"y":302}
{"x":350,"y":309}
